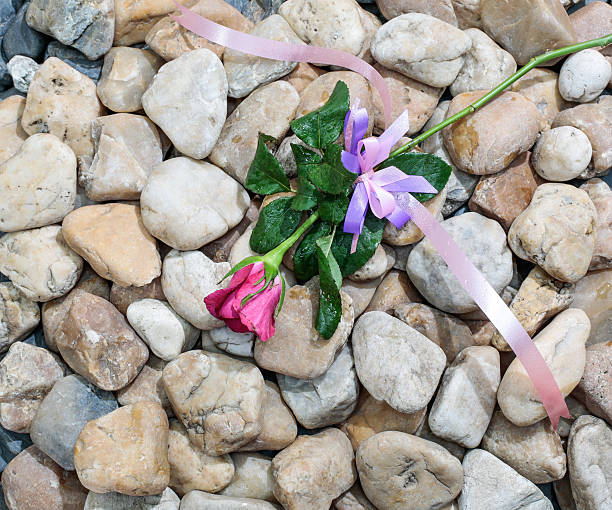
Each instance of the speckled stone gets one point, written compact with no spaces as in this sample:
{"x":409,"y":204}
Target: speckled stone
{"x":18,"y":315}
{"x":167,"y":500}
{"x":12,"y":134}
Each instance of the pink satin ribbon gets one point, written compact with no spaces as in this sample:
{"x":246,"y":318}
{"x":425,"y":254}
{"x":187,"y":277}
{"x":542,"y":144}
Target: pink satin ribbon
{"x":468,"y":276}
{"x":277,"y":50}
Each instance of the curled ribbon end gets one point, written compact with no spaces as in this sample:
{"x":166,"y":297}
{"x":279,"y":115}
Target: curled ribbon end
{"x":354,"y":243}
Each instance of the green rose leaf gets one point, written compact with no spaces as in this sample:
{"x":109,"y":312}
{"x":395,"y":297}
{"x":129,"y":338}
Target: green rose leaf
{"x":266,"y":175}
{"x":332,"y":208}
{"x":330,"y":278}
{"x":305,"y":257}
{"x":434,"y":169}
{"x":306,"y":197}
{"x":331,"y":176}
{"x":370,"y":238}
{"x":322,"y":126}
{"x":277,"y":221}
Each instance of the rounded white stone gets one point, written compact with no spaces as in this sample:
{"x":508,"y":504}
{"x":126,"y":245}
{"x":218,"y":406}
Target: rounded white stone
{"x":584,"y":76}
{"x":561,"y":154}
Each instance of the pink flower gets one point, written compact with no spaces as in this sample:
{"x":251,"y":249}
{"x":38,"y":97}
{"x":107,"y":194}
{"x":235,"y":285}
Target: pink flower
{"x":257,"y":314}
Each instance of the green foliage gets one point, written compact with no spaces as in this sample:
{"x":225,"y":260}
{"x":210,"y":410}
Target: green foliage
{"x":277,"y":221}
{"x":330,"y":278}
{"x":266,"y":175}
{"x":306,"y":197}
{"x":305,"y":257}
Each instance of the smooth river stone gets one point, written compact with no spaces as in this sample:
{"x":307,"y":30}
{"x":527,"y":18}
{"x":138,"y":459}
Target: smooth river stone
{"x":167,"y":500}
{"x":146,"y":387}
{"x":252,"y":478}
{"x":562,"y":345}
{"x":12,"y":134}
{"x":395,"y":362}
{"x":123,"y":297}
{"x":601,"y":196}
{"x":595,"y":387}
{"x":198,"y":500}
{"x":18,"y":315}
{"x":115,"y":242}
{"x":192,"y":122}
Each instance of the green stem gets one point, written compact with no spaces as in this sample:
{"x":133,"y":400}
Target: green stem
{"x":275,"y":256}
{"x":535,"y":61}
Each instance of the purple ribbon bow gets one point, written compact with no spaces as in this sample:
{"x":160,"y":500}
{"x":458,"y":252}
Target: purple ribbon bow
{"x":377,"y":189}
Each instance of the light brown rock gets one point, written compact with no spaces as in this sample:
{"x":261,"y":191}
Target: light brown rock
{"x":441,"y":9}
{"x":146,"y":387}
{"x":278,"y":429}
{"x":126,"y":74}
{"x":97,"y":343}
{"x":268,"y":110}
{"x":595,"y":387}
{"x":32,"y":481}
{"x":540,"y":86}
{"x":12,"y":134}
{"x":488,"y":140}
{"x":399,"y":471}
{"x":191,"y":468}
{"x":561,"y":344}
{"x":125,"y":451}
{"x":556,"y":231}
{"x":504,"y":195}
{"x":122,"y":297}
{"x":303,"y":75}
{"x":170,"y":40}
{"x":18,"y":315}
{"x":63,"y":102}
{"x":113,"y":239}
{"x":39,"y":263}
{"x":527,"y":28}
{"x":361,"y":293}
{"x":372,"y":416}
{"x":468,"y":13}
{"x":218,"y":399}
{"x":252,"y":478}
{"x":534,"y":451}
{"x":314,"y":470}
{"x":134,"y":19}
{"x":593,"y":296}
{"x":539,"y":298}
{"x":601,"y":196}
{"x":296,"y":348}
{"x":592,"y":21}
{"x":353,"y":499}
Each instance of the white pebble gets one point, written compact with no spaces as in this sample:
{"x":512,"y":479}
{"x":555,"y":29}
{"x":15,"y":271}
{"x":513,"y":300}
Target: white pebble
{"x":584,"y":76}
{"x":22,"y":71}
{"x":561,"y":154}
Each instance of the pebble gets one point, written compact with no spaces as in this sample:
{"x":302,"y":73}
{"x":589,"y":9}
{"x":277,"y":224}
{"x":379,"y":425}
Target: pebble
{"x":399,"y":471}
{"x":238,"y":344}
{"x":341,"y":25}
{"x":488,"y":140}
{"x":527,"y":28}
{"x":167,"y":500}
{"x":134,"y":20}
{"x":541,"y":87}
{"x":196,"y":500}
{"x":592,"y":295}
{"x":324,"y":400}
{"x":601,"y":196}
{"x":123,"y":297}
{"x":485,"y":65}
{"x":395,"y":362}
{"x":12,"y":135}
{"x":563,"y":493}
{"x":65,"y":410}
{"x":561,"y":154}
{"x":125,"y":451}
{"x":97,"y":343}
{"x":213,"y":201}
{"x":303,"y":75}
{"x":377,"y":265}
{"x":278,"y":428}
{"x":595,"y":387}
{"x":505,"y":195}
{"x":556,"y":231}
{"x":589,"y":455}
{"x":20,"y":39}
{"x":187,"y":278}
{"x":113,"y":240}
{"x":193,"y":123}
{"x":22,"y":71}
{"x":539,"y":298}
{"x":63,"y":102}
{"x":591,"y":21}
{"x":27,"y":374}
{"x":191,"y":468}
{"x":576,"y":409}
{"x":38,"y":184}
{"x":584,"y":76}
{"x":314,"y":470}
{"x":441,"y":9}
{"x":466,"y":399}
{"x":128,"y":147}
{"x":487,"y":251}
{"x":252,"y":478}
{"x":87,"y":25}
{"x":218,"y":399}
{"x":74,"y":58}
{"x":268,"y":109}
{"x":425,"y":432}
{"x":170,"y":40}
{"x":361,"y":293}
{"x":126,"y":74}
{"x":372,"y":416}
{"x":39,"y":263}
{"x":421,"y":47}
{"x":451,"y":334}
{"x":297,"y":349}
{"x":535,"y":451}
{"x":247,"y":72}
{"x":353,"y":499}
{"x":165,"y":332}
{"x":482,"y":488}
{"x":32,"y":481}
{"x":595,"y":122}
{"x":146,"y":387}
{"x":394,"y":290}
{"x":561,"y":343}
{"x":18,"y":315}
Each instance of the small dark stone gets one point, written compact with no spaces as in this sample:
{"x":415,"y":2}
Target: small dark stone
{"x":6,"y":80}
{"x":256,"y":10}
{"x":20,"y":39}
{"x":74,"y":58}
{"x":10,"y":92}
